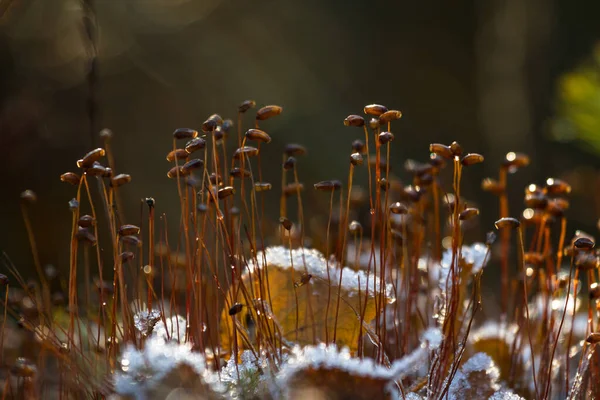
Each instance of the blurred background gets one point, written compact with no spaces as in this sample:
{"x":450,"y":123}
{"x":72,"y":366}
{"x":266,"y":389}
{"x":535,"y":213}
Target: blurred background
{"x":495,"y":75}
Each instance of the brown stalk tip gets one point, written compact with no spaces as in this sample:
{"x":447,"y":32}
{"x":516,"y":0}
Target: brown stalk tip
{"x":246,"y":105}
{"x":191,"y":165}
{"x":390,"y":115}
{"x":245,"y":151}
{"x":384,"y":184}
{"x":73,"y":204}
{"x":471,"y":159}
{"x":150,"y":202}
{"x":456,"y":149}
{"x":468,"y":213}
{"x":492,"y":186}
{"x":211,"y":123}
{"x":355,"y":227}
{"x":328,"y":186}
{"x":195,"y":144}
{"x":106,"y":134}
{"x":436,"y":160}
{"x":490,"y":238}
{"x":225,"y":192}
{"x":227,"y":125}
{"x":85,"y":221}
{"x":236,"y":308}
{"x":507,"y":222}
{"x":594,"y":291}
{"x":356,"y":159}
{"x":237,"y":172}
{"x":386,"y":137}
{"x":258,"y":135}
{"x":557,"y":186}
{"x":262,"y":186}
{"x":28,"y":197}
{"x":584,"y":243}
{"x":185,"y":133}
{"x":4,"y":280}
{"x":120,"y":180}
{"x":177,"y":154}
{"x":219,"y":134}
{"x":128,"y":229}
{"x":354,"y":120}
{"x":126,"y":256}
{"x":398,"y":208}
{"x":88,"y":160}
{"x":441,"y":150}
{"x":593,"y":338}
{"x":70,"y":177}
{"x":375,"y":109}
{"x":292,"y":188}
{"x":289,"y":164}
{"x":267,"y":112}
{"x":286,"y":223}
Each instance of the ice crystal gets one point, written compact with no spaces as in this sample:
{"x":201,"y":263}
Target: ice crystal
{"x":477,"y":379}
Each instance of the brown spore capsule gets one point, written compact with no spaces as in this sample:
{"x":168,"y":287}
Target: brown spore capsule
{"x":177,"y":154}
{"x":150,"y":202}
{"x":4,"y":280}
{"x":286,"y":223}
{"x":294,"y":149}
{"x":456,"y":149}
{"x":492,"y":186}
{"x":212,"y":122}
{"x":195,"y":145}
{"x":219,"y":134}
{"x":374,"y":123}
{"x":70,"y":177}
{"x":248,"y":151}
{"x":120,"y":180}
{"x":84,"y":235}
{"x":557,"y":207}
{"x":594,"y":291}
{"x":192,"y":165}
{"x":132,"y":240}
{"x":354,"y":120}
{"x":267,"y":112}
{"x":128,"y":229}
{"x":375,"y":109}
{"x":587,"y":261}
{"x":24,"y":368}
{"x":358,"y":146}
{"x":262,"y":186}
{"x":126,"y":256}
{"x":533,"y":258}
{"x":289,"y":164}
{"x":28,"y":197}
{"x":239,"y":173}
{"x":235,"y":309}
{"x":507,"y":222}
{"x":328,"y":186}
{"x":73,"y":204}
{"x":174,"y":172}
{"x":96,"y":170}
{"x":557,"y":186}
{"x":246,"y":105}
{"x":584,"y":243}
{"x":106,"y":134}
{"x":303,"y":280}
{"x":386,"y":137}
{"x":89,"y":159}
{"x":225,"y":192}
{"x":411,"y":193}
{"x":292,"y":189}
{"x":227,"y":125}
{"x":390,"y":115}
{"x":468,"y":213}
{"x":214,"y":179}
{"x":108,"y":172}
{"x":398,"y":208}
{"x":85,"y":221}
{"x":356,"y":159}
{"x":258,"y":135}
{"x":384,"y":184}
{"x":185,"y":133}
{"x":441,"y":150}
{"x":472,"y":159}
{"x":490,"y":238}
{"x":424,"y":180}
{"x":513,"y":161}
{"x":593,"y":338}
{"x":536,"y":200}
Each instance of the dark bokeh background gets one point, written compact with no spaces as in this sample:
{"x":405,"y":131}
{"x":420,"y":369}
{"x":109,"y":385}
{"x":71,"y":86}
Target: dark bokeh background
{"x":483,"y":73}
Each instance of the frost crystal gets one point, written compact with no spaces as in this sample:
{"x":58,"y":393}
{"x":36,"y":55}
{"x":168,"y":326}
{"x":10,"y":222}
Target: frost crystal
{"x":505,"y":395}
{"x":317,"y":265}
{"x":173,"y":329}
{"x":409,"y":364}
{"x":477,"y":379}
{"x":473,"y":256}
{"x":144,"y":321}
{"x":143,"y":370}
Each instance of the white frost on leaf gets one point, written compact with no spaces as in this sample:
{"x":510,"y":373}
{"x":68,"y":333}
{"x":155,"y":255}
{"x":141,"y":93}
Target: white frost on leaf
{"x":173,"y":328}
{"x":473,"y":256}
{"x":312,"y":262}
{"x":505,"y":395}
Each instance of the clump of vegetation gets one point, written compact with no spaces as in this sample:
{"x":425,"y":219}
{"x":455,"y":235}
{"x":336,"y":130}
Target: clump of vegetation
{"x":380,"y":304}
